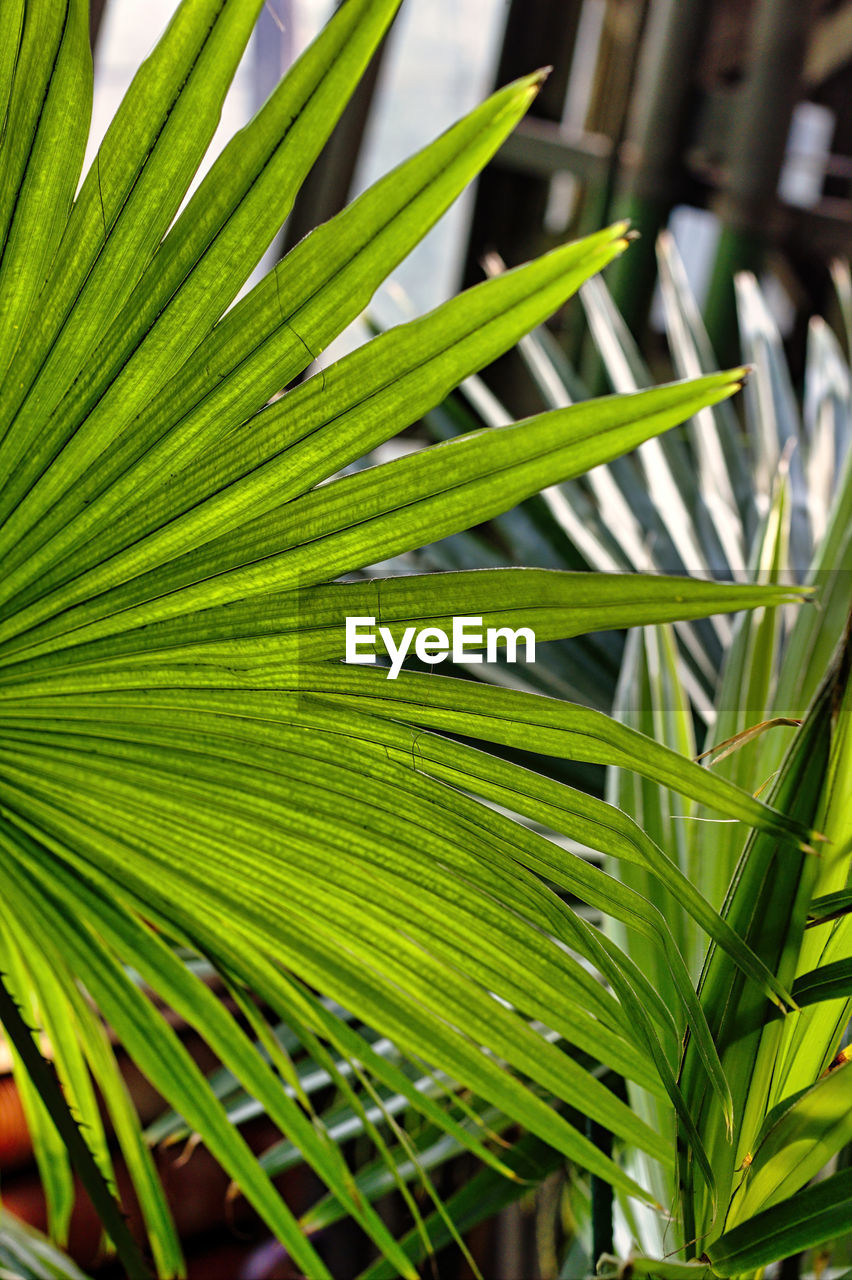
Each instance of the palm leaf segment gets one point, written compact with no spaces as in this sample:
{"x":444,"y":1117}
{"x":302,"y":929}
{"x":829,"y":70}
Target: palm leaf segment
{"x":184,"y":766}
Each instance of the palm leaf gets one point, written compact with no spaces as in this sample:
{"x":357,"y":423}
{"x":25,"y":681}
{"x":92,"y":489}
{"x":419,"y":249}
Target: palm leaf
{"x":813,"y":1217}
{"x":27,"y":1255}
{"x":303,"y":830}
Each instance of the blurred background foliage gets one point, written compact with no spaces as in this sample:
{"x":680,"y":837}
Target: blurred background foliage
{"x":728,"y":121}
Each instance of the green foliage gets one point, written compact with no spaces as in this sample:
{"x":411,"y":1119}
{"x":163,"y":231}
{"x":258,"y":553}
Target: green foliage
{"x":191,"y":782}
{"x":27,"y":1255}
{"x":743,"y":690}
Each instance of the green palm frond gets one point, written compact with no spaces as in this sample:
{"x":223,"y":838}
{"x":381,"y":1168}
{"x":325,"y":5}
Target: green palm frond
{"x":753,"y":515}
{"x":27,"y":1255}
{"x":186,"y":768}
